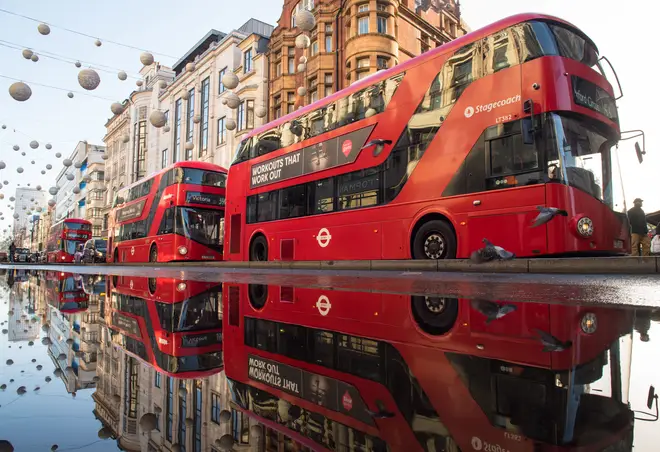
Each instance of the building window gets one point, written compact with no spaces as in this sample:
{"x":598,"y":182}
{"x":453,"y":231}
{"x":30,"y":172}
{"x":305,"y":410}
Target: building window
{"x":291,"y":102}
{"x":190,"y":125}
{"x":177,"y":129}
{"x":215,"y":408}
{"x":381,"y":7}
{"x":328,"y":43}
{"x":315,"y":48}
{"x":221,"y":86}
{"x":328,"y":28}
{"x":247,"y":61}
{"x":307,"y":4}
{"x":382,"y":62}
{"x":157,"y":379}
{"x":240,"y":116}
{"x":327,"y":91}
{"x":97,"y":230}
{"x":363,"y":25}
{"x":278,"y":69}
{"x":140,"y":133}
{"x":222,"y":131}
{"x":364,"y":8}
{"x":245,"y":115}
{"x":327,"y":79}
{"x":163,"y":158}
{"x":197,"y":416}
{"x":182,"y":419}
{"x":291,"y":65}
{"x":382,"y":24}
{"x":313,"y":96}
{"x":240,"y":427}
{"x":363,"y":62}
{"x":169,"y":408}
{"x":361,"y":75}
{"x":204,"y":129}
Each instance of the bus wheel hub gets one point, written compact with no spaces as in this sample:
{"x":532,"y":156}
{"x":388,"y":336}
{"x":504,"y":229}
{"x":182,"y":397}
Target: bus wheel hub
{"x":434,"y":304}
{"x":434,"y":246}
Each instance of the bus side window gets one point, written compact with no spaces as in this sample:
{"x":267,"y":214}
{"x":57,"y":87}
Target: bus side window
{"x":167,"y":223}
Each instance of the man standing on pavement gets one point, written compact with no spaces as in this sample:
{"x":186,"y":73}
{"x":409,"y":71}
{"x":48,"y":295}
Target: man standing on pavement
{"x":639,"y":229}
{"x":12,"y":250}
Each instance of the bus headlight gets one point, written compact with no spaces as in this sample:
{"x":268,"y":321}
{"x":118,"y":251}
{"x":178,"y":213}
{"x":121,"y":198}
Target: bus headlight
{"x":585,"y":227}
{"x":183,"y":250}
{"x":181,"y":286}
{"x":589,"y":323}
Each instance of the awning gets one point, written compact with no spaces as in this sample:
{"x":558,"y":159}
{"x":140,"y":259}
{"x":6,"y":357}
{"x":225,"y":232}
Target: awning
{"x":653,"y":218}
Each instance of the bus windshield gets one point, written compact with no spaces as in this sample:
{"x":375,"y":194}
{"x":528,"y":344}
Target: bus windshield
{"x":78,"y":226}
{"x":581,"y":157}
{"x":198,"y":313}
{"x":192,"y":363}
{"x":200,"y":177}
{"x":201,"y":225}
{"x":70,"y":246}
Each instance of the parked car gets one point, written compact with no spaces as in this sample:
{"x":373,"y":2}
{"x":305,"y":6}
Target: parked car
{"x":4,"y":257}
{"x":95,"y":251}
{"x":22,"y":255}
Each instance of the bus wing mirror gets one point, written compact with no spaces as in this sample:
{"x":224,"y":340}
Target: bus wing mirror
{"x":629,"y":135}
{"x":651,"y":397}
{"x":640,"y":153}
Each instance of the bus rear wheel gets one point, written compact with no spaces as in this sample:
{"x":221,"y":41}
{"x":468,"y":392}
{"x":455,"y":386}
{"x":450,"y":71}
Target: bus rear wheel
{"x":259,"y":249}
{"x":115,"y":257}
{"x":257,"y":296}
{"x":434,"y":315}
{"x":153,"y":254}
{"x":434,"y":240}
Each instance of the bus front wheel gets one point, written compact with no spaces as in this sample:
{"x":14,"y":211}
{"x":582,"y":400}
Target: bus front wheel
{"x":434,"y":315}
{"x":259,"y":249}
{"x":153,"y":254}
{"x":115,"y":257}
{"x":435,"y":240}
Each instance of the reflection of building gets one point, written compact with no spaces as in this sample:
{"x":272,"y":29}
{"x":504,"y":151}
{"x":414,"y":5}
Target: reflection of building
{"x":352,"y":39}
{"x":28,"y":201}
{"x":23,"y":323}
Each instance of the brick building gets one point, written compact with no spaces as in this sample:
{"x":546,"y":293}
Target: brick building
{"x":352,"y":39}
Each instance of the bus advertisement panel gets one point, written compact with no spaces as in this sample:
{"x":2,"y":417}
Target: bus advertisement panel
{"x":428,"y":158}
{"x":528,"y":380}
{"x":64,"y":239}
{"x":176,"y":214}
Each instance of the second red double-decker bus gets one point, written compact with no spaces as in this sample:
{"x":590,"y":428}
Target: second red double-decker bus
{"x":176,"y":214}
{"x":174,"y":325}
{"x":344,"y":368}
{"x":428,"y":158}
{"x":65,"y":292}
{"x":65,"y":237}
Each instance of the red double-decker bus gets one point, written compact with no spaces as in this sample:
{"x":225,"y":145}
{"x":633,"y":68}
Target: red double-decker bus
{"x":174,"y":325}
{"x":428,"y":158}
{"x":65,"y":237}
{"x":515,"y":376}
{"x":65,"y":292}
{"x":176,"y":214}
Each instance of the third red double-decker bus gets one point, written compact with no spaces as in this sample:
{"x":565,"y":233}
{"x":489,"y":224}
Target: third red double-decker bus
{"x":65,"y":292}
{"x":65,"y":237}
{"x":174,"y":325}
{"x":176,"y":214}
{"x":428,"y":158}
{"x":484,"y":376}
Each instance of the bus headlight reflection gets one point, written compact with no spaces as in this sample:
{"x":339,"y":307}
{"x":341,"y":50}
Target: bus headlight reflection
{"x":183,"y":250}
{"x":181,"y":286}
{"x":589,"y":323}
{"x":585,"y":227}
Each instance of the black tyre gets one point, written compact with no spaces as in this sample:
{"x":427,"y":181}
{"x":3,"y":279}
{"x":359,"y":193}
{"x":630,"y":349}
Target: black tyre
{"x":259,"y":249}
{"x":434,"y":240}
{"x":434,"y":315}
{"x":153,"y":254}
{"x":257,"y":295}
{"x":152,"y":285}
{"x":115,"y":257}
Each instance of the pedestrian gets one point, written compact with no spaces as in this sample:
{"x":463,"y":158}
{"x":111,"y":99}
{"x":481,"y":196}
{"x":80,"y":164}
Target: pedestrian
{"x":12,"y":250}
{"x":639,"y":229}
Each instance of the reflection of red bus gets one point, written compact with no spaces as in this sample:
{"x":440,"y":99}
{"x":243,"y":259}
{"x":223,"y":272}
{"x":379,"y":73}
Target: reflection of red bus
{"x":65,"y":292}
{"x":519,"y":381}
{"x":176,"y":214}
{"x":173,"y":324}
{"x":65,"y":237}
{"x":426,"y":159}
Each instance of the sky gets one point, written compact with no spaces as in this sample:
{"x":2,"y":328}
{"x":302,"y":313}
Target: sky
{"x":623,"y":33}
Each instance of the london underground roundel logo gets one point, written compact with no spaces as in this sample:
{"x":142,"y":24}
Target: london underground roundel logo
{"x":469,"y":111}
{"x":477,"y":444}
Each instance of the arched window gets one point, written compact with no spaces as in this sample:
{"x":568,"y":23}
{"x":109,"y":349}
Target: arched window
{"x":307,"y":4}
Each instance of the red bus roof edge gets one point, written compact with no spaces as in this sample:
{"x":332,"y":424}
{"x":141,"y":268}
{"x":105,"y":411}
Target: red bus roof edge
{"x":183,"y":164}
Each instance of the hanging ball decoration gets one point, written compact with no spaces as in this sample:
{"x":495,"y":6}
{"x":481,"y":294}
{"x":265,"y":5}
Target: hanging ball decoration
{"x":19,"y":170}
{"x":226,"y":442}
{"x":122,"y":75}
{"x":77,"y":165}
{"x":2,"y":196}
{"x":256,"y":431}
{"x":190,"y":67}
{"x":302,"y":41}
{"x":189,"y":146}
{"x":34,"y":57}
{"x":107,"y":177}
{"x":166,"y":129}
{"x":157,"y":119}
{"x":70,"y":95}
{"x":87,"y":178}
{"x":98,"y":43}
{"x":162,"y":84}
{"x":58,"y":154}
{"x":224,"y":101}
{"x":233,"y":101}
{"x":89,"y":79}
{"x":3,"y":165}
{"x":76,"y":190}
{"x":104,"y":156}
{"x":260,"y":111}
{"x":139,"y":83}
{"x":302,"y":90}
{"x":230,"y":80}
{"x":70,"y":176}
{"x":49,"y":167}
{"x":16,"y":215}
{"x":78,"y":64}
{"x":146,"y":58}
{"x":116,"y":108}
{"x":20,"y":91}
{"x":23,"y":153}
{"x":43,"y":171}
{"x":49,"y":146}
{"x":51,"y":202}
{"x":6,"y":182}
{"x":302,"y":67}
{"x":39,"y":209}
{"x":185,"y":95}
{"x":125,"y":138}
{"x":27,"y":54}
{"x":12,"y":199}
{"x":305,"y":20}
{"x":34,"y":144}
{"x":44,"y":29}
{"x":197,"y":119}
{"x":33,"y":164}
{"x":189,"y":422}
{"x":176,"y":447}
{"x":53,"y":190}
{"x":38,"y":187}
{"x":104,"y":433}
{"x":230,"y":124}
{"x":16,"y":147}
{"x":225,"y":416}
{"x":370,"y":112}
{"x":302,"y":59}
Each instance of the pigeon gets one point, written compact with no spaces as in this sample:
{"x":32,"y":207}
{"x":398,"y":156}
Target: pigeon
{"x":551,"y":343}
{"x":491,"y":252}
{"x":492,"y":310}
{"x":546,"y":214}
{"x":381,"y":413}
